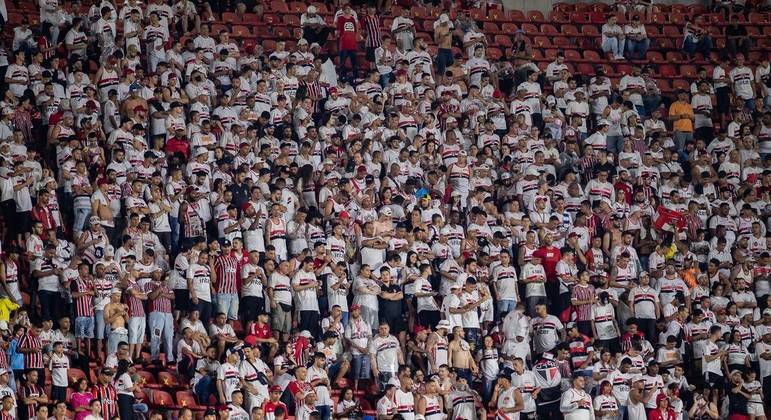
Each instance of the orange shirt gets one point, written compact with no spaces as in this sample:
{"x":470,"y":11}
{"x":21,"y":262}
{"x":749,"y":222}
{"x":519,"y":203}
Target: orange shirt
{"x":682,"y":124}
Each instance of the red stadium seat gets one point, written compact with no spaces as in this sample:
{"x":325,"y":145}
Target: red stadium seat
{"x":562,"y":42}
{"x":589,"y":30}
{"x":573,"y":56}
{"x":677,"y":18}
{"x":655,"y":57}
{"x":490,"y":28}
{"x":592,"y":56}
{"x":583,"y":7}
{"x":558,"y":16}
{"x":297,"y":7}
{"x":586,"y":69}
{"x":241,"y":31}
{"x":758,"y":18}
{"x":542,"y":42}
{"x":74,"y":375}
{"x":186,"y":399}
{"x":550,"y":54}
{"x":503,"y":41}
{"x":230,"y":17}
{"x":548,"y":29}
{"x":580,"y":18}
{"x":148,"y":378}
{"x":516,"y":16}
{"x":496,"y":15}
{"x":509,"y":28}
{"x":652,"y":31}
{"x":597,"y":18}
{"x":162,"y":399}
{"x":477,"y":14}
{"x":535,"y":16}
{"x":671,"y":31}
{"x":659,"y":18}
{"x":278,"y":6}
{"x":667,"y":71}
{"x":529,"y":28}
{"x":688,"y":71}
{"x":168,"y":379}
{"x":494,"y":53}
{"x":675,"y":57}
{"x":570,"y":30}
{"x":623,"y":69}
{"x":681,"y":84}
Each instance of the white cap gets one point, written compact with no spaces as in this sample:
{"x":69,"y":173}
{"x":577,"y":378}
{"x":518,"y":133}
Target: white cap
{"x":386,"y":211}
{"x":450,"y":119}
{"x":303,"y":41}
{"x":200,"y":151}
{"x":443,"y":324}
{"x":109,"y":251}
{"x":311,"y":9}
{"x":3,"y":325}
{"x":306,"y":334}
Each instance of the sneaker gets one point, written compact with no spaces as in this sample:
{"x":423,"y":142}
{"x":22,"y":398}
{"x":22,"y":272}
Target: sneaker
{"x":619,"y":57}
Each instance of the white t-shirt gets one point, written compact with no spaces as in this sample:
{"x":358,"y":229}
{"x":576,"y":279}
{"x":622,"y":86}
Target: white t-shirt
{"x":231,"y":379}
{"x":711,"y":349}
{"x":545,"y":332}
{"x":307,"y":299}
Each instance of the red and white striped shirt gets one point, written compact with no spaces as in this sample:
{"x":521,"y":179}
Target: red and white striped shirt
{"x":227,"y":271}
{"x":136,"y":305}
{"x":109,"y":398}
{"x":84,"y":305}
{"x":161,"y":303}
{"x":32,"y":360}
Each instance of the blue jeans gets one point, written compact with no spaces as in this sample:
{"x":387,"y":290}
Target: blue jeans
{"x":349,"y":54}
{"x":637,"y":48}
{"x":614,"y":46}
{"x":227,"y":303}
{"x":325,"y":411}
{"x":81,"y":215}
{"x":204,"y":388}
{"x":487,"y":389}
{"x":161,"y":328}
{"x":703,"y":45}
{"x":344,"y":319}
{"x":174,"y":223}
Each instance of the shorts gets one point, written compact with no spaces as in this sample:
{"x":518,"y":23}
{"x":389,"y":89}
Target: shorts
{"x":362,"y":367}
{"x":84,"y":327}
{"x":181,"y":299}
{"x":102,"y":330}
{"x":714,"y":381}
{"x":136,"y":327}
{"x":281,"y":320}
{"x":396,"y":322}
{"x":755,"y":408}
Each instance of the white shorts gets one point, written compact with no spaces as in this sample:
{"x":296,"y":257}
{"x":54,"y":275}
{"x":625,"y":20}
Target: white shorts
{"x":756,"y":409}
{"x":136,"y":327}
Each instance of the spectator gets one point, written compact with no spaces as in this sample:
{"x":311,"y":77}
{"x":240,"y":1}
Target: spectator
{"x":613,"y":38}
{"x":737,"y":39}
{"x":696,"y":39}
{"x":682,"y":116}
{"x":637,"y":41}
{"x":314,"y":27}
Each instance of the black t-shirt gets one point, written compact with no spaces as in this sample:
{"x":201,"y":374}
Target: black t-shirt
{"x":737,"y":403}
{"x":390,"y":308}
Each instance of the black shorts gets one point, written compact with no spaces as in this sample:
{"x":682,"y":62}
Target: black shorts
{"x":395,"y":322}
{"x":714,"y":381}
{"x":181,"y":299}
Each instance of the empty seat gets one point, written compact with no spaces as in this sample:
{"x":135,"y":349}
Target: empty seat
{"x":681,"y":84}
{"x":562,"y":42}
{"x":570,"y":30}
{"x":688,"y":70}
{"x":509,"y":28}
{"x":572,"y":55}
{"x":516,"y":15}
{"x":535,"y":16}
{"x":542,"y":42}
{"x":490,"y":28}
{"x":241,"y":31}
{"x":580,"y":17}
{"x":548,"y":29}
{"x":162,"y":399}
{"x":503,"y":40}
{"x":592,"y":56}
{"x":654,"y":56}
{"x":667,"y":71}
{"x":675,"y":57}
{"x":529,"y":28}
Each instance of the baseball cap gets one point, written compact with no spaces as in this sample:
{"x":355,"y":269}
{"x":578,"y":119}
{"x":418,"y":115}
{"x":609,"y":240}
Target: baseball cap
{"x":443,"y":324}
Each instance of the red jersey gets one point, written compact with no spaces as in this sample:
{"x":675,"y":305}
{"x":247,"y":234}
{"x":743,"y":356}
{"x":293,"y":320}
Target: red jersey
{"x":269,"y":407}
{"x":550,"y":256}
{"x":348,"y":29}
{"x":256,"y":331}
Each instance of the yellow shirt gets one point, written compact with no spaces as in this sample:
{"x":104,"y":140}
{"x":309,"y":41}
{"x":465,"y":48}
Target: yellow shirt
{"x":682,"y":124}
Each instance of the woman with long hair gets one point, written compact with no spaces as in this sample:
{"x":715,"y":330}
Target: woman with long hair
{"x":738,"y":356}
{"x":125,"y":387}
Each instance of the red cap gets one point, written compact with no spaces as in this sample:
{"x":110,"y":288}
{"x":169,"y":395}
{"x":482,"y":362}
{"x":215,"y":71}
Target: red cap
{"x":332,"y":90}
{"x":362,"y":168}
{"x":275,"y":388}
{"x":139,"y":108}
{"x":355,"y":306}
{"x":344,"y":215}
{"x":101,"y":181}
{"x":401,"y":72}
{"x":497,"y":94}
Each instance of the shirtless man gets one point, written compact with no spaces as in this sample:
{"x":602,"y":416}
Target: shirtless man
{"x":460,"y":355}
{"x":116,"y":315}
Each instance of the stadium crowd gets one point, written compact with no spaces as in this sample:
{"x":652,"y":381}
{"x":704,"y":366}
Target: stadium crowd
{"x":355,"y":227}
